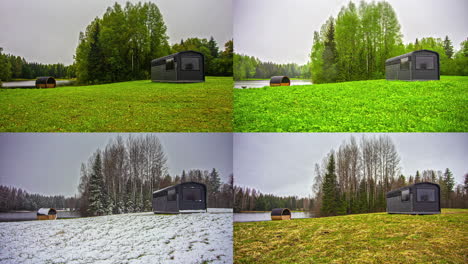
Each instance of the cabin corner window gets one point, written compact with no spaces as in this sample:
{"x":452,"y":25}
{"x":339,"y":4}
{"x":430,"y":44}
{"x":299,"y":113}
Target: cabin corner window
{"x":170,"y":64}
{"x":425,"y":195}
{"x":192,"y":194}
{"x":190,"y":64}
{"x":171,"y":195}
{"x":424,"y":63}
{"x":404,"y":64}
{"x":405,"y":196}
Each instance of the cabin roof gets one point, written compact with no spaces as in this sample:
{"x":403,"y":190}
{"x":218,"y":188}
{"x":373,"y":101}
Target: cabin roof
{"x":175,"y":185}
{"x":280,"y":211}
{"x":393,"y":192}
{"x":409,"y":54}
{"x":45,"y":211}
{"x":175,"y":54}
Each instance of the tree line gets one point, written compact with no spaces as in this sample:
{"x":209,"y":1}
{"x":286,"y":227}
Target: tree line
{"x":251,"y":67}
{"x":355,"y":45}
{"x":356,"y":178}
{"x":250,"y":199}
{"x":120,"y":46}
{"x":16,"y":67}
{"x":15,"y":199}
{"x":122,"y":177}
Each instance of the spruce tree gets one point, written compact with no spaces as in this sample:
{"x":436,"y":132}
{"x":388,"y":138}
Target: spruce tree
{"x":331,"y":199}
{"x":97,"y":198}
{"x":448,"y":47}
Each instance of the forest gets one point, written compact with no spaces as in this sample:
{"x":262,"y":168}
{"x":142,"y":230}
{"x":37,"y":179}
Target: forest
{"x":355,"y":179}
{"x":122,"y":177}
{"x":120,"y":46}
{"x":251,"y":67}
{"x":15,"y":199}
{"x":354,"y":45}
{"x":15,"y":67}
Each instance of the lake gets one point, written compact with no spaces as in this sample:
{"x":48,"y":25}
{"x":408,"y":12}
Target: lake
{"x":262,"y":83}
{"x":32,"y":83}
{"x":28,"y":216}
{"x":266,"y":216}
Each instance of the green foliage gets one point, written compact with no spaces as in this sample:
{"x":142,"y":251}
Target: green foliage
{"x":216,"y":63}
{"x":364,"y":106}
{"x":120,"y":45}
{"x":331,"y":200}
{"x":5,"y":67}
{"x":363,"y":238}
{"x":358,"y":45}
{"x":128,"y":106}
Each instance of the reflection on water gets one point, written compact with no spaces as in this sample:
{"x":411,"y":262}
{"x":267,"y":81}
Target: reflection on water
{"x":27,"y":216}
{"x":32,"y":83}
{"x":266,"y":216}
{"x":263,"y":83}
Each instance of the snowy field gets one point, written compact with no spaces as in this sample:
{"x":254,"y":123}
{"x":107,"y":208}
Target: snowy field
{"x":126,"y":238}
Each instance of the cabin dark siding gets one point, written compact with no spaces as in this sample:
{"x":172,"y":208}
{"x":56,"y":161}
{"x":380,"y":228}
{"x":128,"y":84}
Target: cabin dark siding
{"x":416,"y":65}
{"x":186,"y":66}
{"x":180,"y":197}
{"x":419,"y":198}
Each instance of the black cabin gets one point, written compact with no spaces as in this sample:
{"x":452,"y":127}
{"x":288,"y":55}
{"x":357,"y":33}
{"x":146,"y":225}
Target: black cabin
{"x":419,"y":198}
{"x":420,"y":65}
{"x":187,"y":197}
{"x":185,"y":66}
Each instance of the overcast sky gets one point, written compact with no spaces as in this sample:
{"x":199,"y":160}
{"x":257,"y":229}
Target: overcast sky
{"x":49,"y":163}
{"x":283,"y":163}
{"x":47,"y":31}
{"x":282,"y":31}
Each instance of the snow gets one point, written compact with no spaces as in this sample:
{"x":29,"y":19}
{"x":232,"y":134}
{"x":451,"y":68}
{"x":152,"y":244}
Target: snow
{"x":43,"y":211}
{"x":125,"y":238}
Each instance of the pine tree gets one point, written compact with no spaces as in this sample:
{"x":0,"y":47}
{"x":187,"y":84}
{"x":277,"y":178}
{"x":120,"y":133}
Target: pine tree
{"x":97,"y":198}
{"x":417,"y":178}
{"x":214,"y":182}
{"x":448,"y":47}
{"x":331,"y":198}
{"x":449,"y":183}
{"x":329,"y":53}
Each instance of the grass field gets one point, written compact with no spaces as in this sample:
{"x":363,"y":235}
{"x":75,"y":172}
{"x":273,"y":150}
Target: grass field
{"x":138,"y":106}
{"x":363,"y":238}
{"x":361,"y":106}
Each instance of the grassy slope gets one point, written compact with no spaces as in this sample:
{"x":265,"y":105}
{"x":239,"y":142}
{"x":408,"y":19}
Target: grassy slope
{"x":364,"y":238}
{"x":362,"y":106}
{"x":128,"y":106}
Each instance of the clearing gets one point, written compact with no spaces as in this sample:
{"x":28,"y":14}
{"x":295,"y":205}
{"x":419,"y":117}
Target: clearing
{"x":126,"y":238}
{"x":361,"y":106}
{"x":362,"y":238}
{"x":137,"y":106}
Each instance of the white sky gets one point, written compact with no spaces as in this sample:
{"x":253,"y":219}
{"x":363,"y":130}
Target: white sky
{"x":284,"y":163}
{"x":47,"y":31}
{"x":282,"y":31}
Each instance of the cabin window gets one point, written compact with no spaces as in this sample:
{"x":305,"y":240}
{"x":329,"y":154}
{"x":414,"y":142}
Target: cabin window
{"x":424,"y":63}
{"x":170,"y":64}
{"x":404,"y":64}
{"x":425,"y":195}
{"x":405,"y":196}
{"x":192,"y":195}
{"x":171,"y":195}
{"x":190,"y":63}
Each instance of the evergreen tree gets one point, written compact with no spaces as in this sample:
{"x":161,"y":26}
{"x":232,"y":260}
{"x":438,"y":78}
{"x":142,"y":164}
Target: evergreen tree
{"x":97,"y":198}
{"x":448,"y":47}
{"x":448,"y":184}
{"x":417,"y":178}
{"x":331,"y":198}
{"x":329,"y":53}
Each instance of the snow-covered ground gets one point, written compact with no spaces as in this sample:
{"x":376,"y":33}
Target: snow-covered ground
{"x":126,"y":238}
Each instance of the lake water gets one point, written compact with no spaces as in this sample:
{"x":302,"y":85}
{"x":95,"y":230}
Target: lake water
{"x":28,"y":216}
{"x":32,"y":83}
{"x":262,"y":83}
{"x":266,"y":216}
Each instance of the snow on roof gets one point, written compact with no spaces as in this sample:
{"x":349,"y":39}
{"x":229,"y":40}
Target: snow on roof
{"x":43,"y":211}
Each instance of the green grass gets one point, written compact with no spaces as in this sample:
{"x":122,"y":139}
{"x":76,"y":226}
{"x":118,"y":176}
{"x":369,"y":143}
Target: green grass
{"x":361,"y":106}
{"x":136,"y":106}
{"x":364,"y":238}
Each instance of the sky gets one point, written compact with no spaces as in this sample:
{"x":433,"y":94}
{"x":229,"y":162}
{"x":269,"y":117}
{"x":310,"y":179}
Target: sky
{"x":283,"y":163}
{"x":282,"y":31}
{"x":47,"y":31}
{"x":49,"y":163}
